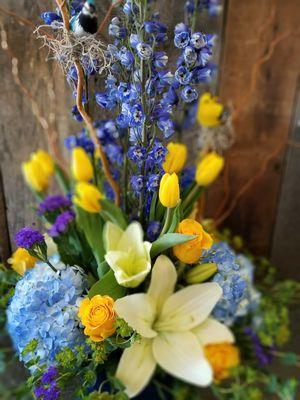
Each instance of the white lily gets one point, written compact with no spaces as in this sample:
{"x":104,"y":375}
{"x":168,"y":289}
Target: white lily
{"x":174,"y":328}
{"x":127,"y":254}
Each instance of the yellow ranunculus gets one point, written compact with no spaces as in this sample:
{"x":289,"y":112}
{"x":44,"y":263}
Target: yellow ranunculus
{"x":209,"y":169}
{"x":209,"y":111}
{"x":21,"y":261}
{"x":191,"y":251}
{"x":222,"y":357}
{"x":169,"y":192}
{"x":175,"y":158}
{"x":82,"y":168}
{"x":38,"y":170}
{"x":88,"y":196}
{"x":98,"y":317}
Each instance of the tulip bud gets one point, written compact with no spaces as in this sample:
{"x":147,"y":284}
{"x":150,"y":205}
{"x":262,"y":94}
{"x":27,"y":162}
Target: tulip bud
{"x":45,"y":161}
{"x":38,"y":170}
{"x":201,"y":273}
{"x":88,"y":197}
{"x":21,"y":261}
{"x":209,"y":111}
{"x":81,"y":165}
{"x":175,"y":158}
{"x":209,"y":169}
{"x":169,"y":193}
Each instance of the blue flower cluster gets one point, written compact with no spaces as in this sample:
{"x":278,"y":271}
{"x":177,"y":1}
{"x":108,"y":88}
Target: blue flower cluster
{"x":48,"y":389}
{"x":232,"y":282}
{"x":44,"y":307}
{"x":61,"y":223}
{"x":28,"y":237}
{"x":212,"y":6}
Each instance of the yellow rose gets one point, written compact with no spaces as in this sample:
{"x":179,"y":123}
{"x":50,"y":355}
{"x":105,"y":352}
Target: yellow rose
{"x":175,"y":158}
{"x":209,"y":169}
{"x":82,"y":168}
{"x":98,"y":317}
{"x":222,"y":357}
{"x":190,"y":252}
{"x":169,"y":192}
{"x":88,"y":196}
{"x":21,"y":261}
{"x":38,"y":170}
{"x":209,"y":111}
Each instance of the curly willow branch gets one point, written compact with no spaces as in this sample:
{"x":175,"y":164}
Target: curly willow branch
{"x":86,"y":117}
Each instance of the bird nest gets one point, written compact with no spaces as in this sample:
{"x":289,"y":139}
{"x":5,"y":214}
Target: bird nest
{"x":66,"y":48}
{"x":219,"y":138}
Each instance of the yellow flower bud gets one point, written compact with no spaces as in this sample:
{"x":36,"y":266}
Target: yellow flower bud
{"x":88,"y":196}
{"x":209,"y":169}
{"x":169,"y":193}
{"x":201,"y":273}
{"x":82,"y":168}
{"x":222,"y":357}
{"x":190,"y":252}
{"x":45,"y":161}
{"x":209,"y":111}
{"x":38,"y":170}
{"x":98,"y":317}
{"x":21,"y":261}
{"x":175,"y":158}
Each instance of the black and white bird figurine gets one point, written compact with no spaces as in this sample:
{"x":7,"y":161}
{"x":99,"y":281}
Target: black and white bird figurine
{"x":85,"y":22}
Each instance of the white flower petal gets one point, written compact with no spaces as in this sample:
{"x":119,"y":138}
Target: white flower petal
{"x":163,"y":280}
{"x":181,"y":356}
{"x":212,"y":331}
{"x":138,"y":310}
{"x":132,"y":237}
{"x":112,"y":235}
{"x":136,"y":367}
{"x":187,"y":308}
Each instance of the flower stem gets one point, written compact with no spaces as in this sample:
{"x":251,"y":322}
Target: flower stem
{"x":167,"y":221}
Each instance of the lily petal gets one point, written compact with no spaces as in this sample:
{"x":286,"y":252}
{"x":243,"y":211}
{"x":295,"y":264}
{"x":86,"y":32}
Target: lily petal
{"x":163,"y":280}
{"x":132,"y":237}
{"x":138,"y":310}
{"x":187,"y":308}
{"x":212,"y":331}
{"x":136,"y":367}
{"x":112,"y":235}
{"x":181,"y":356}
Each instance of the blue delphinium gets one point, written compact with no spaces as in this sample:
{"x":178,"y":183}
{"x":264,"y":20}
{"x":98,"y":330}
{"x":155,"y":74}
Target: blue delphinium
{"x":230,"y":279}
{"x":44,"y":307}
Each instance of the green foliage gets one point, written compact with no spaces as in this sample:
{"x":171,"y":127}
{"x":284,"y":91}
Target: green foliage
{"x":8,"y":280}
{"x":167,"y":241}
{"x":108,"y":286}
{"x":111,"y":212}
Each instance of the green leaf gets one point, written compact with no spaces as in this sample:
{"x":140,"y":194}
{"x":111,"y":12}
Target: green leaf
{"x":153,"y":207}
{"x":102,"y":269}
{"x":169,"y":240}
{"x":62,"y":179}
{"x":113,"y":213}
{"x":107,"y":286}
{"x":175,"y":219}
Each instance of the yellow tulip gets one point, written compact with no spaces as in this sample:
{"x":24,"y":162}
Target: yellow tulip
{"x":169,"y":193}
{"x":209,"y":169}
{"x":81,"y":165}
{"x":98,"y":317}
{"x":38,"y":170}
{"x":190,"y":252}
{"x":45,"y":161}
{"x":175,"y":158}
{"x":209,"y":111}
{"x":88,"y":197}
{"x":222,"y":358}
{"x":21,"y":261}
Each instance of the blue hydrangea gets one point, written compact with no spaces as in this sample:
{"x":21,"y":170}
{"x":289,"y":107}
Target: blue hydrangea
{"x":231,"y":280}
{"x":44,"y":307}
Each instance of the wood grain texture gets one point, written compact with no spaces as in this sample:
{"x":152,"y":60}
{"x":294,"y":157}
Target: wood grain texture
{"x":263,"y":124}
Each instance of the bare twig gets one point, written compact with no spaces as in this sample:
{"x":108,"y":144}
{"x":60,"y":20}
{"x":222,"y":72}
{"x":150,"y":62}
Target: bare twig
{"x":107,"y":16}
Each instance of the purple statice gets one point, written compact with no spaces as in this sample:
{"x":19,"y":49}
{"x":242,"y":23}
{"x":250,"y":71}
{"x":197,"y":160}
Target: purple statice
{"x":28,"y":237}
{"x":53,"y":203}
{"x":47,"y":393}
{"x":61,"y":223}
{"x":153,"y":230}
{"x":49,"y":376}
{"x":262,"y":353}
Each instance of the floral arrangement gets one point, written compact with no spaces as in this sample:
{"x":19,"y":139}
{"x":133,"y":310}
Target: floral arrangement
{"x":126,"y":294}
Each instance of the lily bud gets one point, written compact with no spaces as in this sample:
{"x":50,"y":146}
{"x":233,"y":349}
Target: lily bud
{"x":201,"y":273}
{"x":169,"y":192}
{"x":175,"y":158}
{"x":38,"y":170}
{"x":82,"y":168}
{"x":209,"y":169}
{"x":88,"y":197}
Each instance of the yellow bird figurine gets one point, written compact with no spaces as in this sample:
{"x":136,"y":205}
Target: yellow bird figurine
{"x":210,"y":111}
